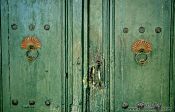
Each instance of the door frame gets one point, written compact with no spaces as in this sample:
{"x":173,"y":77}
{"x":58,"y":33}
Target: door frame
{"x":172,"y":57}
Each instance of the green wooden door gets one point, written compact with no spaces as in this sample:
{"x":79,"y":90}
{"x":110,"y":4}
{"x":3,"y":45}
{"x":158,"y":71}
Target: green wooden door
{"x":126,"y":83}
{"x":95,"y":55}
{"x":38,"y":85}
{"x":147,"y":84}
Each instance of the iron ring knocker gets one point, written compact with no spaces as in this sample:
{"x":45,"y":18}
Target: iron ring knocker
{"x":141,"y":57}
{"x":32,"y":55}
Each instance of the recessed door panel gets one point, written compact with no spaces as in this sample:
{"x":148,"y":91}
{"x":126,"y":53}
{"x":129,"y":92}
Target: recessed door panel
{"x":99,"y":56}
{"x":142,"y":85}
{"x":131,"y":41}
{"x":36,"y":84}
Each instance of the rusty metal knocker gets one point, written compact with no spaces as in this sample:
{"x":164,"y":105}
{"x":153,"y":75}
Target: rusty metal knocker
{"x":141,"y":49}
{"x":32,"y":55}
{"x":31,"y":44}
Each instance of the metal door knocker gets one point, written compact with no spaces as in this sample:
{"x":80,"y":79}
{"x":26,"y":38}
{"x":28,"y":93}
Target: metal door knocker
{"x":141,"y":49}
{"x":31,"y":44}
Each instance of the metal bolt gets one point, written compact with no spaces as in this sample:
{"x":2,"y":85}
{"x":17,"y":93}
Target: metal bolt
{"x":158,"y":29}
{"x":14,"y":26}
{"x":140,"y":105}
{"x":47,"y":102}
{"x":31,"y":102}
{"x":46,"y":27}
{"x":31,"y":27}
{"x":157,"y":106}
{"x":125,"y":30}
{"x":15,"y":102}
{"x":125,"y":105}
{"x":141,"y":29}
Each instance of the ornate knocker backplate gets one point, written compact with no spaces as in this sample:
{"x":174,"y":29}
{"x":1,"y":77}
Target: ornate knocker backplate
{"x":31,"y":44}
{"x":141,"y":49}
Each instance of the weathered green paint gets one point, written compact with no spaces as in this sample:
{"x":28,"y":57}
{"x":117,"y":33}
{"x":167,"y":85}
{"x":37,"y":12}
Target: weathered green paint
{"x":81,"y":33}
{"x":148,"y":83}
{"x":1,"y":86}
{"x":172,"y":56}
{"x":125,"y":80}
{"x":74,"y":55}
{"x":42,"y":79}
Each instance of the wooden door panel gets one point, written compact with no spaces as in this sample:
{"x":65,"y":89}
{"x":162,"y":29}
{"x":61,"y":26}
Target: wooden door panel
{"x":86,"y":62}
{"x":74,"y":56}
{"x":42,"y":79}
{"x":125,"y":81}
{"x":99,"y":55}
{"x":148,"y":83}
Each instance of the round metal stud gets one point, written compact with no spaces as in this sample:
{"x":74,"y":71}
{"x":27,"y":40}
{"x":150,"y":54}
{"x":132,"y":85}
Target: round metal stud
{"x":141,"y":29}
{"x":31,"y":27}
{"x":125,"y":105}
{"x":31,"y":102}
{"x":14,"y":26}
{"x":157,"y":106}
{"x":158,"y":29}
{"x":140,"y":105}
{"x":125,"y":30}
{"x":15,"y":102}
{"x":46,"y":27}
{"x":47,"y":102}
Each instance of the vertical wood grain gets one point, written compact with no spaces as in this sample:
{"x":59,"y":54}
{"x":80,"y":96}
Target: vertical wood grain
{"x":1,"y":86}
{"x":42,"y":79}
{"x":5,"y":70}
{"x":82,"y":32}
{"x":112,"y":55}
{"x":142,"y":83}
{"x":172,"y":56}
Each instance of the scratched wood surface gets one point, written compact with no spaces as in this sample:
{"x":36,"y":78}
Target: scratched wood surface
{"x":42,"y":79}
{"x":148,"y":83}
{"x":124,"y":79}
{"x":85,"y":63}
